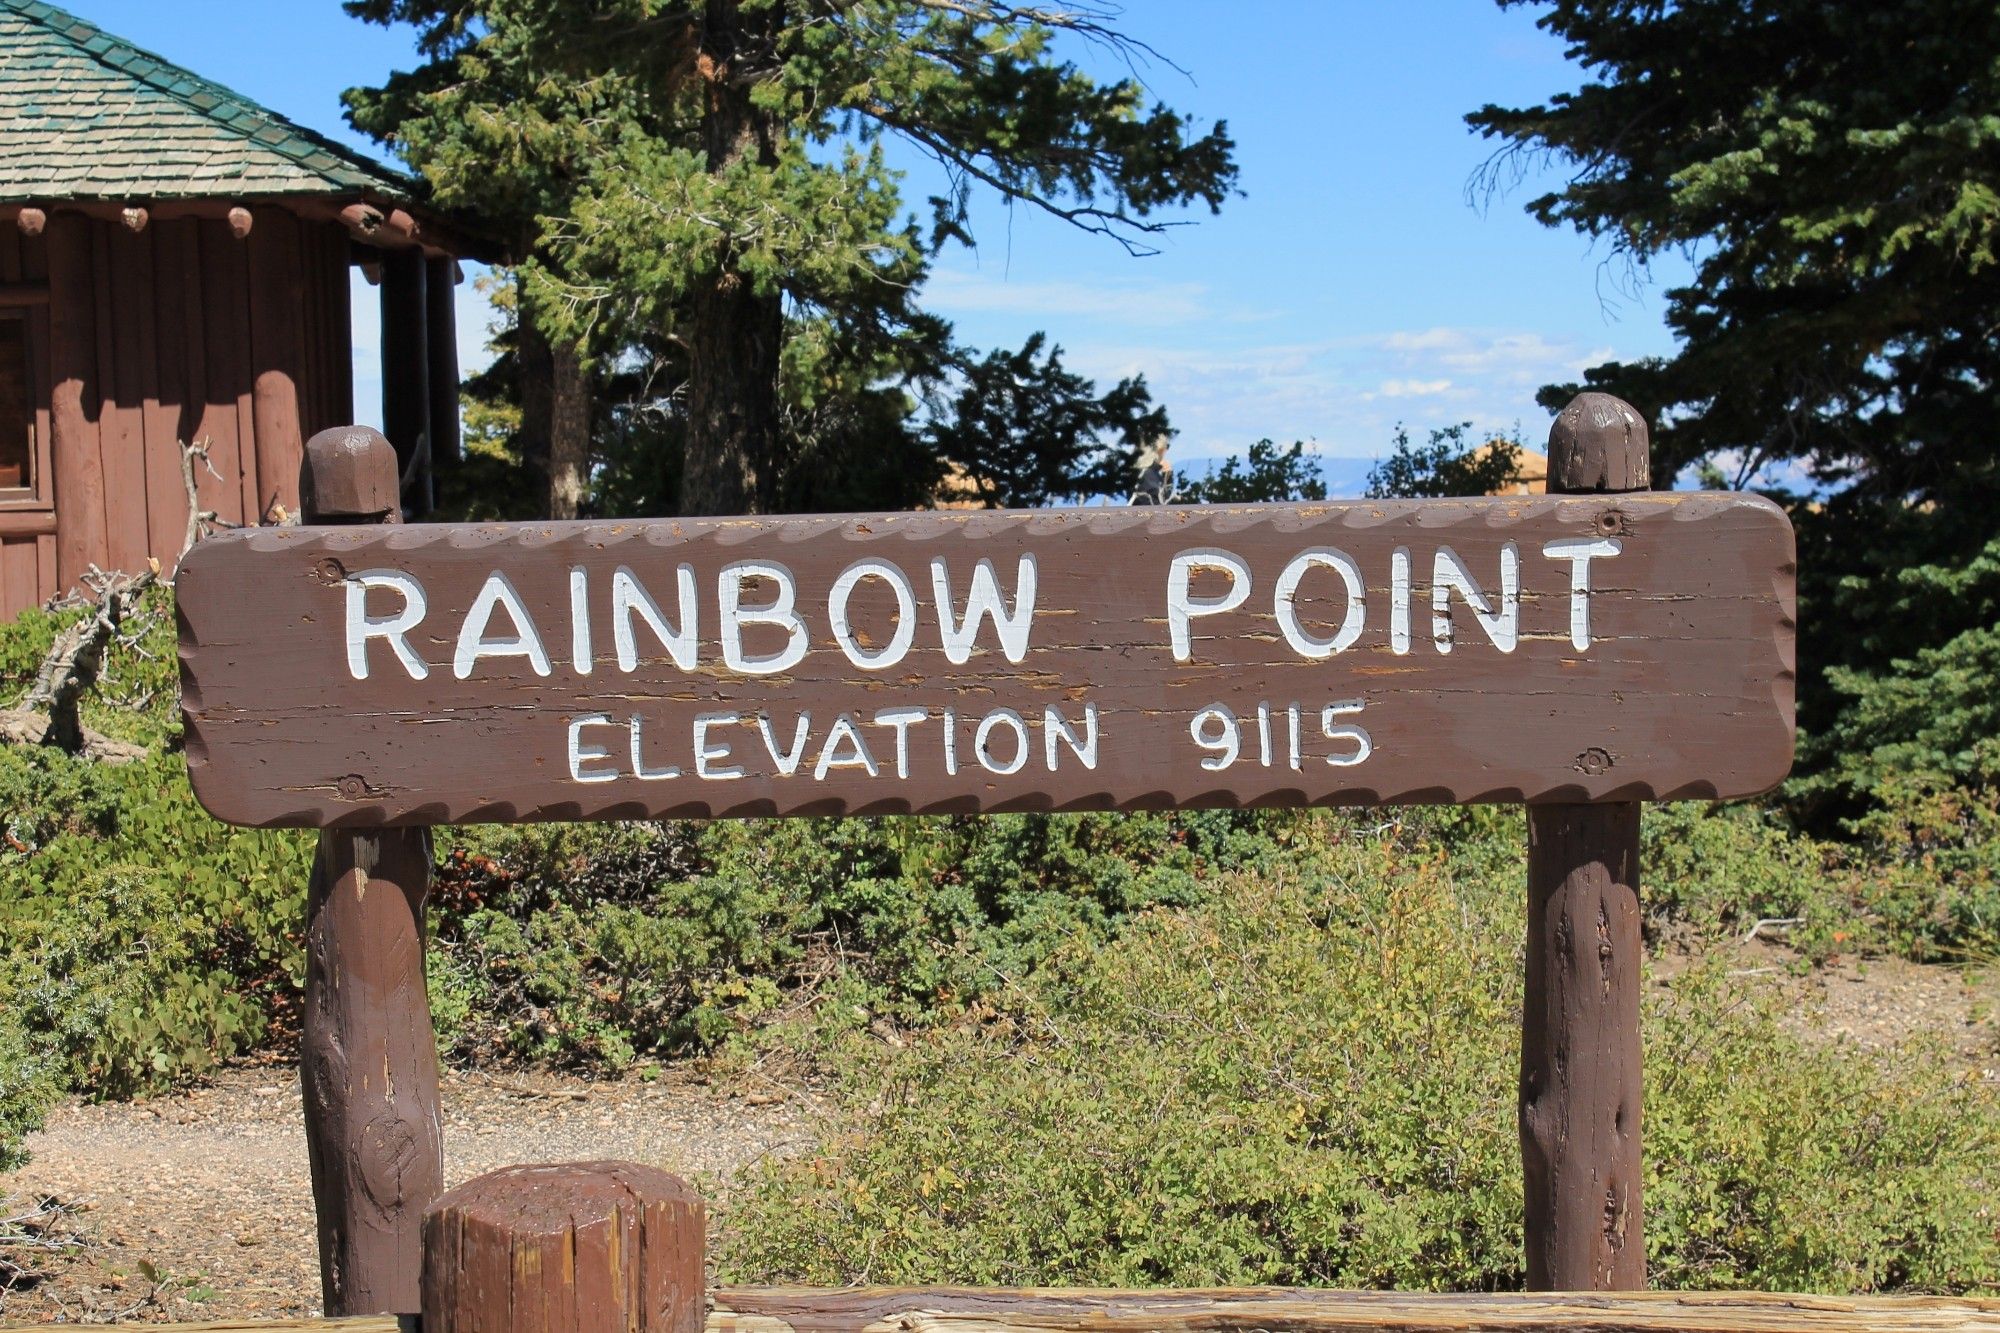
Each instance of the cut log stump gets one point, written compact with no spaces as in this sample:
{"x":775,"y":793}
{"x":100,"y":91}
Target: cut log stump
{"x":594,"y":1247}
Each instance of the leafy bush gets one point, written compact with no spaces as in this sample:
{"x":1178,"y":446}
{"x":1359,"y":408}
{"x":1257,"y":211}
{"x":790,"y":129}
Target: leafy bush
{"x":1310,"y":1079}
{"x":591,"y":946}
{"x":232,"y":901}
{"x":1783,"y":1164}
{"x":1920,"y":876}
{"x":138,"y":688}
{"x":91,"y":1002}
{"x":1933,"y":845}
{"x":140,"y":941}
{"x":1302,"y":1082}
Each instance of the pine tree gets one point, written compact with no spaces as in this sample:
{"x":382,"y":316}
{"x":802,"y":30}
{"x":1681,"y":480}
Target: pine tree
{"x":713,"y":174}
{"x":1833,"y":172}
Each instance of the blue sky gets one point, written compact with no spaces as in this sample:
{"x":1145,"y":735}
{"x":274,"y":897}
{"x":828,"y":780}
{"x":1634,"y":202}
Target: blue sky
{"x":1352,"y":286}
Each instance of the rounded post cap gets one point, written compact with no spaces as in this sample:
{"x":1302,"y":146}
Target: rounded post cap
{"x":350,"y":474}
{"x":1599,"y":443}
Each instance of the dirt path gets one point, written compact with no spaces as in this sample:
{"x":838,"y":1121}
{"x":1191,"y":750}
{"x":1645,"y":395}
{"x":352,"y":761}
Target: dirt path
{"x":1871,"y":1003}
{"x":210,"y":1187}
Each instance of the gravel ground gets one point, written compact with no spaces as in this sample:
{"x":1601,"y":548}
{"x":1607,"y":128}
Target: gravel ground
{"x":209,"y":1188}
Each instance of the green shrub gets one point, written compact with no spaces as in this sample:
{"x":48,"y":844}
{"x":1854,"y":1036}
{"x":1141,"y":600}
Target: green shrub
{"x":1310,"y":1079}
{"x":591,"y":946}
{"x":1932,"y":848}
{"x":137,"y":694}
{"x":1782,"y":1164}
{"x":1305,"y":1081}
{"x":76,"y":829}
{"x":1721,"y":869}
{"x":108,"y":996}
{"x":1920,"y":878}
{"x":206,"y":919}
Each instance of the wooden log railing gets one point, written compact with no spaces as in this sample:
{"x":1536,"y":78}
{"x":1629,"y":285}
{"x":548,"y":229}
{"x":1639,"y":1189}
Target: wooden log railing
{"x":611,"y":1246}
{"x":1256,"y":1310}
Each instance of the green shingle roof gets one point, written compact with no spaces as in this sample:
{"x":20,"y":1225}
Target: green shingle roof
{"x":84,"y":115}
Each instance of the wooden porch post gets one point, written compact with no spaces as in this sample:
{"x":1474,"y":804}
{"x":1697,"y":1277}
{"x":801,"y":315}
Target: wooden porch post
{"x":1580,"y":1059}
{"x":406,"y":395}
{"x":79,"y":472}
{"x":441,"y":328}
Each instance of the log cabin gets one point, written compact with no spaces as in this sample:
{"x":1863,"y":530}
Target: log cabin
{"x":174,"y":267}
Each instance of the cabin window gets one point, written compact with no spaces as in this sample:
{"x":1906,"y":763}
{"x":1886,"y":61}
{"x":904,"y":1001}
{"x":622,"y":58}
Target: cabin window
{"x":17,"y":407}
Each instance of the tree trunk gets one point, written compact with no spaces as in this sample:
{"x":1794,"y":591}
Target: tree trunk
{"x":569,"y":431}
{"x":736,"y":331}
{"x":536,"y":367}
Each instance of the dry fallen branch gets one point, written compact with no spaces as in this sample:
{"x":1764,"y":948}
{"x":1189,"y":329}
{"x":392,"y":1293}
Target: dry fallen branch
{"x":50,"y":713}
{"x":43,"y":1228}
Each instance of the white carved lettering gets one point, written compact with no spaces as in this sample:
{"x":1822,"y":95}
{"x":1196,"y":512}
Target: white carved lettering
{"x":1183,"y":606}
{"x":1503,"y":627}
{"x":629,"y":598}
{"x":1286,"y":602}
{"x":983,"y":601}
{"x":393,"y":629}
{"x":735,"y":615}
{"x":498,"y":593}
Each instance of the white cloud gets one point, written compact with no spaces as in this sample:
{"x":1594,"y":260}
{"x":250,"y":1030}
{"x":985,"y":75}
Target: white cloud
{"x":1411,"y":388}
{"x":1348,"y":393}
{"x":1424,"y":341}
{"x":953,"y":292}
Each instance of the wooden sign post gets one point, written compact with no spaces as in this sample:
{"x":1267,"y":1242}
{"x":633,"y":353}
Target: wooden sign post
{"x":1580,"y":1060}
{"x":368,"y":1061}
{"x":1579,"y":652}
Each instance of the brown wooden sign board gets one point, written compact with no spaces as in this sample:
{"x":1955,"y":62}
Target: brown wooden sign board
{"x":1539,"y":649}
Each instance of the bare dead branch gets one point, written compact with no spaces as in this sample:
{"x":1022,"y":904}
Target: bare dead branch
{"x":50,"y":713}
{"x":199,"y":520}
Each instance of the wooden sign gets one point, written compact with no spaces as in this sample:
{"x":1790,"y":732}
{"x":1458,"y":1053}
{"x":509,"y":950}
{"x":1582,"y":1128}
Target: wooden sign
{"x":1569,"y":649}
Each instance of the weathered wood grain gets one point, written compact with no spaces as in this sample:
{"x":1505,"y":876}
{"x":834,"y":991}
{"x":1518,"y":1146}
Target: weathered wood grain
{"x":586,"y":1247}
{"x":973,"y":1310}
{"x":368,"y":1065}
{"x":1580,"y":1090}
{"x":1683,"y":690}
{"x":999,"y":1310}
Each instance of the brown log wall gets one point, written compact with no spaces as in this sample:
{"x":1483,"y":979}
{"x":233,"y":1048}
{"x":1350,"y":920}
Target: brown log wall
{"x":179,"y":331}
{"x":27,"y":535}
